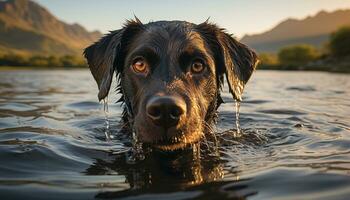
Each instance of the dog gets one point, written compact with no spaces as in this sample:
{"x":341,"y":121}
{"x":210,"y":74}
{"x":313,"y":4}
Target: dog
{"x":170,"y":74}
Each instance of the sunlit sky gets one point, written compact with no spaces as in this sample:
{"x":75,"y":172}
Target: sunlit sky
{"x":237,"y":16}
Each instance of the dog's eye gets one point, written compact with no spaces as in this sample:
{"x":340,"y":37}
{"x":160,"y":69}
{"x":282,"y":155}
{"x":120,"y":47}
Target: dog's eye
{"x":140,"y":65}
{"x":197,"y":66}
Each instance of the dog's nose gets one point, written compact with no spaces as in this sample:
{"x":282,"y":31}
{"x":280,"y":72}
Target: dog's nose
{"x":165,"y":111}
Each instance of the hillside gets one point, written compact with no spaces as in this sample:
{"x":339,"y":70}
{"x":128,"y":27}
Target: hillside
{"x":312,"y":30}
{"x":28,"y":28}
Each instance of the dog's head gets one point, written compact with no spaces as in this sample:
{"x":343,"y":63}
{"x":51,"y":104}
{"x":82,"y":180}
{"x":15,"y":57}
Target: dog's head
{"x":170,"y":74}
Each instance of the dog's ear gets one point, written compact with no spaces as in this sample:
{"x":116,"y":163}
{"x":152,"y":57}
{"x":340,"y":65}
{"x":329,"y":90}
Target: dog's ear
{"x":234,"y":59}
{"x":106,"y":55}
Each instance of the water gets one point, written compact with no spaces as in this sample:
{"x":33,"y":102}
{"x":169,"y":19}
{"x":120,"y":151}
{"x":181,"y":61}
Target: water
{"x":108,"y":134}
{"x":293,"y":144}
{"x":238,"y":128}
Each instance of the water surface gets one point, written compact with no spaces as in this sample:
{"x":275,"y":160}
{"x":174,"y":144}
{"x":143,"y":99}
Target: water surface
{"x":295,"y":143}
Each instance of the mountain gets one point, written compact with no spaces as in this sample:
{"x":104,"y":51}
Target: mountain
{"x":28,"y":28}
{"x":312,"y":30}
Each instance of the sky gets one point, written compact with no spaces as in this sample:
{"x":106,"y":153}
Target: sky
{"x":239,"y":17}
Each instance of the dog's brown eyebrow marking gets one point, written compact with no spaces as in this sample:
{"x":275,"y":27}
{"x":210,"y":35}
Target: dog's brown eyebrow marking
{"x":193,"y":51}
{"x":145,"y":51}
{"x":149,"y":52}
{"x":196,"y":44}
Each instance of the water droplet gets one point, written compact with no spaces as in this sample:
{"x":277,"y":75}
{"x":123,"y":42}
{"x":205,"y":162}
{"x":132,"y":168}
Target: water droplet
{"x":238,"y":132}
{"x":105,"y":110}
{"x":196,"y":150}
{"x":136,"y":151}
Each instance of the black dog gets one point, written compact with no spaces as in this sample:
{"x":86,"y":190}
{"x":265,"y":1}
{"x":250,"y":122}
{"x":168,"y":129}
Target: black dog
{"x":170,"y":74}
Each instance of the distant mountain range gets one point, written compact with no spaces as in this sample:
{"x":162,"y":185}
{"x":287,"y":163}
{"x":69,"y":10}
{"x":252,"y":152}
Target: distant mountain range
{"x":314,"y":30}
{"x":28,"y":28}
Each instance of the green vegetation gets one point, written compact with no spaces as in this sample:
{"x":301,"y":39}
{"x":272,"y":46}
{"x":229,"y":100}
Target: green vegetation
{"x":297,"y":55}
{"x":335,"y":57}
{"x":340,"y":42}
{"x":67,"y":61}
{"x":268,"y":61}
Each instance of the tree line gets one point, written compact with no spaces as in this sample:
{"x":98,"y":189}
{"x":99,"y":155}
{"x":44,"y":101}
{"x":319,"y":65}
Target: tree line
{"x":42,"y":61}
{"x":302,"y":56}
{"x":336,"y":53}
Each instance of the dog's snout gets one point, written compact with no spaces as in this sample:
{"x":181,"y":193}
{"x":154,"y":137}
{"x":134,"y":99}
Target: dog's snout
{"x":165,"y":111}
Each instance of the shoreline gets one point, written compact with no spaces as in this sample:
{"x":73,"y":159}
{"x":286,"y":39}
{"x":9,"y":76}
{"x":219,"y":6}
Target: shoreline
{"x":14,"y":68}
{"x":260,"y":68}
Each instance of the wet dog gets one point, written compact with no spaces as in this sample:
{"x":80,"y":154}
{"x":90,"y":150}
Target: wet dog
{"x":170,"y":75}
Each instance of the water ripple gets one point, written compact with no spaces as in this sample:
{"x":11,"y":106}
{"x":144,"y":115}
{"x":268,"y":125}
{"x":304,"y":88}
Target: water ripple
{"x":294,"y":143}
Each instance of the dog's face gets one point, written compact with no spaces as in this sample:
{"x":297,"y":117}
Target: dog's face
{"x":170,"y":76}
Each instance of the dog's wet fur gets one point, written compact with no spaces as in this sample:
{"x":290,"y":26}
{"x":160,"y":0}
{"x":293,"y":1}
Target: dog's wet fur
{"x":171,"y":100}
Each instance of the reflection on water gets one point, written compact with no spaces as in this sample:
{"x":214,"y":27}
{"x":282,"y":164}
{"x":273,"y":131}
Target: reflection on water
{"x":294,"y":142}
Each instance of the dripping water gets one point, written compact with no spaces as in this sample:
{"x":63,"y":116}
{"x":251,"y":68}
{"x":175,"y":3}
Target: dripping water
{"x":108,"y":134}
{"x":196,"y":150}
{"x":238,"y":132}
{"x":136,"y":153}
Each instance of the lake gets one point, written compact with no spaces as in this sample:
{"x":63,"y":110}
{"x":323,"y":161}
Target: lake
{"x":295,"y":142}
